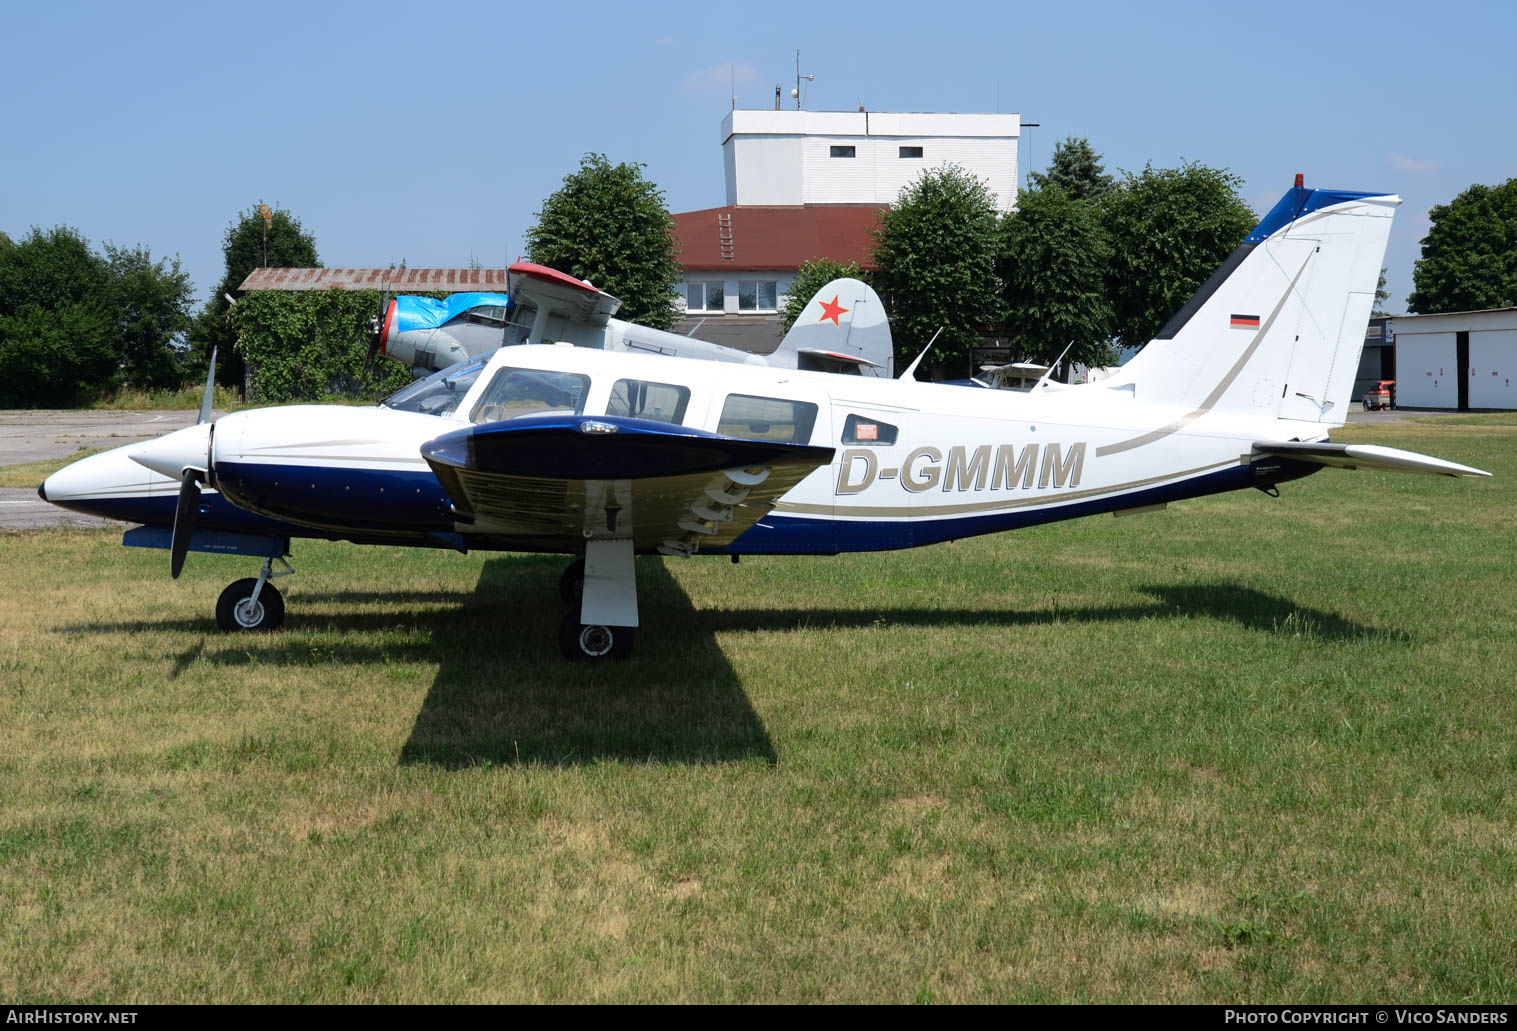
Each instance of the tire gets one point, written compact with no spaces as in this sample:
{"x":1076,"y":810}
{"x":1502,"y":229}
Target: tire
{"x":571,"y":586}
{"x":233,"y":613}
{"x":581,"y":643}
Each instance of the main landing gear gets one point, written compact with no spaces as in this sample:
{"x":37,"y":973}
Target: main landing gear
{"x":601,"y":589}
{"x":253,"y":603}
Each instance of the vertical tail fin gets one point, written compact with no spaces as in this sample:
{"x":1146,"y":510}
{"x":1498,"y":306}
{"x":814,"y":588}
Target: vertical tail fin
{"x":1277,"y":330}
{"x":842,"y":329}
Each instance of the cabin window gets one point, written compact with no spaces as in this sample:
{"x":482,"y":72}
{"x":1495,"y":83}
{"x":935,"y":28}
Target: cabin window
{"x":911,"y":152}
{"x":757,"y":294}
{"x":767,"y":418}
{"x":843,"y":152}
{"x":486,"y":315}
{"x":439,"y":393}
{"x":859,"y":429}
{"x":639,"y":399}
{"x":513,"y":393}
{"x":707,"y":296}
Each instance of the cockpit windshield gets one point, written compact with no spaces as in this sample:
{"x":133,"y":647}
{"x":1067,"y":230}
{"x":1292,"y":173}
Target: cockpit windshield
{"x":439,"y":393}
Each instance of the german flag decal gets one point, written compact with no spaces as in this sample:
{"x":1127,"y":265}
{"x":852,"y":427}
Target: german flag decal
{"x":1245,"y":322}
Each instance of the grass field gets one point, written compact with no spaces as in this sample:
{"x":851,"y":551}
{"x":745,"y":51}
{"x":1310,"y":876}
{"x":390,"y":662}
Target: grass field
{"x":1243,"y":749}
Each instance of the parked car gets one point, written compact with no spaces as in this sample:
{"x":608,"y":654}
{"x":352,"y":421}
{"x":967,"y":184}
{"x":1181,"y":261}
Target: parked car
{"x":1380,"y":396}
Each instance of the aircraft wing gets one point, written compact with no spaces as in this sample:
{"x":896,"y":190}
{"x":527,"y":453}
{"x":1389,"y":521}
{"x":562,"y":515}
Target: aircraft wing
{"x":557,"y":480}
{"x":559,"y":294}
{"x":1363,"y":456}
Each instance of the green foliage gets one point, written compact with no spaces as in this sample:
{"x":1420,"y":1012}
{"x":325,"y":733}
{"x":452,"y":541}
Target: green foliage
{"x":809,"y":278}
{"x":1469,"y":256}
{"x":1054,"y":257}
{"x":307,"y":346}
{"x":243,"y":247}
{"x":1170,"y":229}
{"x":149,"y":302}
{"x":1381,"y":296}
{"x":74,"y":325}
{"x":936,"y":249}
{"x":608,"y":225}
{"x":1076,"y":169}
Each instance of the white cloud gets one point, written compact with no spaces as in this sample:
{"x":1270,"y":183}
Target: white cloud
{"x":1413,"y":166}
{"x":721,"y":78}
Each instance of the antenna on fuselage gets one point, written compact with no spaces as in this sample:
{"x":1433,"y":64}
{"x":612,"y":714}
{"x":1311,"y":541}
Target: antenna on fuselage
{"x":911,"y":369}
{"x":1055,"y":365}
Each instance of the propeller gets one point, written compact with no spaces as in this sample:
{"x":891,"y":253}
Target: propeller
{"x":381,"y":330}
{"x":184,"y":520}
{"x":188,"y":509}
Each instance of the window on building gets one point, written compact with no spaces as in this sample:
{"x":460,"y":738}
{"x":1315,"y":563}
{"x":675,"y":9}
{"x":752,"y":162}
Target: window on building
{"x":704,"y":296}
{"x":513,"y":393}
{"x":911,"y":152}
{"x":861,"y":430}
{"x":757,"y":295}
{"x":843,"y":152}
{"x":767,"y":418}
{"x":638,"y":399}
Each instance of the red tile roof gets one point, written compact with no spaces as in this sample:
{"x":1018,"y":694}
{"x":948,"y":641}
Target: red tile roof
{"x":766,"y":237}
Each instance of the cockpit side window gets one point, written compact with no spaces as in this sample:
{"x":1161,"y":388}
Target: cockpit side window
{"x":640,"y":399}
{"x":767,"y":418}
{"x":514,"y":393}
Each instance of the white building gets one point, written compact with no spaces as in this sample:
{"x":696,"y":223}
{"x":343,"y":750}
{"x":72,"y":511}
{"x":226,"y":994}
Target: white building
{"x":863,"y":157}
{"x":1458,"y":360}
{"x":811,"y":184}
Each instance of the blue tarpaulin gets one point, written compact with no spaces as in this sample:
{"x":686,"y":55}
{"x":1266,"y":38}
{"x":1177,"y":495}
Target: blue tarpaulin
{"x":412,"y":312}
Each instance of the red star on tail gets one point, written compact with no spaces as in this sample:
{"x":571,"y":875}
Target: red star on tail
{"x":831,"y":310}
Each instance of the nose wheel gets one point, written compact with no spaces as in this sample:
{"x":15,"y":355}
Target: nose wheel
{"x":253,"y":603}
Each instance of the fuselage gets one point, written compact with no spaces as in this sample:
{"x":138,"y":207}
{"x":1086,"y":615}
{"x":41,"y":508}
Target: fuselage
{"x":915,"y":463}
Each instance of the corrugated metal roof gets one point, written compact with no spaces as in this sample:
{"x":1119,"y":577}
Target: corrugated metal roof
{"x":763,"y":237}
{"x":396,"y":280}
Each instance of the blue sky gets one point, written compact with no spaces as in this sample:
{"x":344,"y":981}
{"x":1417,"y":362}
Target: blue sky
{"x":400,"y":131}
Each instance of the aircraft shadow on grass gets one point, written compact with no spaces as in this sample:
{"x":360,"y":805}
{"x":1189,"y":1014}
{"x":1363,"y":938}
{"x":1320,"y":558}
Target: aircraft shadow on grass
{"x":1254,"y":610}
{"x":502,"y":695}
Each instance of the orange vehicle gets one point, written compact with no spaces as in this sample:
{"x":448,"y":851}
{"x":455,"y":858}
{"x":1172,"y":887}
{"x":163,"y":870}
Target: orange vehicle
{"x":1380,"y":396}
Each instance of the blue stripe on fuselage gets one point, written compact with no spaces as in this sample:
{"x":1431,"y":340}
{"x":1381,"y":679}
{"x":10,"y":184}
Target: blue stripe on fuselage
{"x":216,"y":513}
{"x":342,"y":500}
{"x":778,"y":534}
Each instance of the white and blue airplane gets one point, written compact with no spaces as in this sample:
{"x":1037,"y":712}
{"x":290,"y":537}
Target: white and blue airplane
{"x":603,"y":456}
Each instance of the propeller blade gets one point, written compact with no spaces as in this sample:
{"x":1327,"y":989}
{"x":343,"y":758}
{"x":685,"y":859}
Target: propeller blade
{"x":210,"y":391}
{"x":184,"y":521}
{"x":381,"y":328}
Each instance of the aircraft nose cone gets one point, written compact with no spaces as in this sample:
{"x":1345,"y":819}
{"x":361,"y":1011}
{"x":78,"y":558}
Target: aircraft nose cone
{"x":172,"y":454}
{"x":42,"y":490}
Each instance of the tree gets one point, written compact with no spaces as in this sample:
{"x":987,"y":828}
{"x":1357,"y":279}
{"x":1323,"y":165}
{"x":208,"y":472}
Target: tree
{"x":1170,"y":229}
{"x":1381,"y":296}
{"x":243,"y":247}
{"x":73,"y":324}
{"x":149,"y":305}
{"x":936,"y":248}
{"x":608,"y":224}
{"x":809,"y":278}
{"x":1054,"y":257}
{"x":1076,"y":169}
{"x":1469,"y":256}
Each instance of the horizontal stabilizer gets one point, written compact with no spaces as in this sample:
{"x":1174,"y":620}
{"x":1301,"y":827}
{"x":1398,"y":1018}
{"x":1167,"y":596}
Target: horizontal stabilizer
{"x":1364,"y":456}
{"x":837,"y":356}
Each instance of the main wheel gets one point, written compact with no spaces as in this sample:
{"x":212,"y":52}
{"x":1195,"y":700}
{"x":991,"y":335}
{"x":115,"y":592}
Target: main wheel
{"x":582,"y":642}
{"x":571,"y":586}
{"x":236,"y":609}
